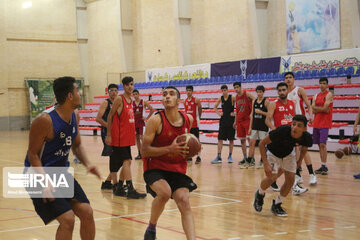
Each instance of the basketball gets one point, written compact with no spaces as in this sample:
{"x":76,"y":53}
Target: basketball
{"x":339,"y":153}
{"x":347,"y":150}
{"x":192,"y":142}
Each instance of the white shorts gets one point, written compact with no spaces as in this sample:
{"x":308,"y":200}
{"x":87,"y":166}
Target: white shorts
{"x":258,"y":135}
{"x":287,"y":163}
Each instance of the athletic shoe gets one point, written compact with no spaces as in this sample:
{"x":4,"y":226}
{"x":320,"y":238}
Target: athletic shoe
{"x":230,"y":160}
{"x":243,"y":163}
{"x":300,"y":168}
{"x":298,"y":190}
{"x":299,"y":179}
{"x":216,"y":160}
{"x":150,"y":235}
{"x":261,"y":165}
{"x":133,"y":194}
{"x":313,"y":180}
{"x":189,"y":159}
{"x":251,"y":162}
{"x":198,"y":160}
{"x":323,"y":170}
{"x":277,"y":210}
{"x":357,"y":176}
{"x":259,"y":201}
{"x":106,"y":185}
{"x":275,"y":187}
{"x":138,"y":157}
{"x":119,"y":191}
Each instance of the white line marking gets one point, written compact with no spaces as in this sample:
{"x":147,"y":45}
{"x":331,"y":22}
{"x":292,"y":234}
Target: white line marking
{"x":212,"y":196}
{"x":234,"y":238}
{"x":327,"y":229}
{"x":349,"y":227}
{"x":307,"y":230}
{"x":20,"y":163}
{"x":281,"y":233}
{"x":256,"y":236}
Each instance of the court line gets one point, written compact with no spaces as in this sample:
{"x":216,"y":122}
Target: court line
{"x":212,"y":196}
{"x":4,"y":160}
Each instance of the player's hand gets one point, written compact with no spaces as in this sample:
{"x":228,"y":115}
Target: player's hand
{"x":220,"y":114}
{"x":94,"y":170}
{"x":108,"y":140}
{"x":355,"y":130}
{"x":179,"y":148}
{"x":47,"y":194}
{"x":257,"y":110}
{"x":268,"y":170}
{"x":249,"y":132}
{"x":311,"y":120}
{"x":232,"y":114}
{"x":234,"y":125}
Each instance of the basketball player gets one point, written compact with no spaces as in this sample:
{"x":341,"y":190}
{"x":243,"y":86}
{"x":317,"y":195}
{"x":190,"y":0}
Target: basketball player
{"x":138,"y":106}
{"x":121,"y":135}
{"x":322,"y":106}
{"x":298,"y":95}
{"x":52,"y":134}
{"x":357,"y":176}
{"x":282,"y":111}
{"x":258,"y":129}
{"x":193,"y":107}
{"x":280,"y":158}
{"x":226,"y":129}
{"x":165,"y":163}
{"x":101,"y":118}
{"x":243,"y":102}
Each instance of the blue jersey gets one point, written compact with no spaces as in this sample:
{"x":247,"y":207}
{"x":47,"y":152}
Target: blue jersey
{"x":56,"y":151}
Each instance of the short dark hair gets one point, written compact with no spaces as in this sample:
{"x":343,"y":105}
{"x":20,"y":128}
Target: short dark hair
{"x":172,"y":87}
{"x":62,"y":86}
{"x":190,"y":87}
{"x":136,"y":91}
{"x":237,"y":83}
{"x":113,"y":85}
{"x":281,"y":84}
{"x":324,"y":79}
{"x":260,"y":88}
{"x":126,"y":80}
{"x":289,"y":73}
{"x":224,"y":87}
{"x":300,"y":118}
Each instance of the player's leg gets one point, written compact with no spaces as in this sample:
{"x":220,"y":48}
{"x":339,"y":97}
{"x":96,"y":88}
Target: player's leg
{"x":253,"y":137}
{"x":66,"y":225}
{"x":85,"y":213}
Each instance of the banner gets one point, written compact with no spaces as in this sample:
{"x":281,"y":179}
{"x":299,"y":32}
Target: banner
{"x":42,"y":96}
{"x":312,"y":25}
{"x":324,"y":60}
{"x":246,"y":67}
{"x":176,"y":73}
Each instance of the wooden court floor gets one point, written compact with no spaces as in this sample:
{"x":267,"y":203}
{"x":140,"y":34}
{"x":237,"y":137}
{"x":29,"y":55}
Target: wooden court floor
{"x":222,"y":204}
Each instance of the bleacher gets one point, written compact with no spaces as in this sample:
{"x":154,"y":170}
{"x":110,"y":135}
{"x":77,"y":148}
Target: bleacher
{"x":346,"y":99}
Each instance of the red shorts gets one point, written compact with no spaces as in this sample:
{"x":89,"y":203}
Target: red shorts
{"x":242,"y":128}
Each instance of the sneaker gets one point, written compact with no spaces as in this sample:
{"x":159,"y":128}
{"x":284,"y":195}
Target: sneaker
{"x":119,"y":191}
{"x":243,"y":163}
{"x":216,"y":160}
{"x":261,"y":165}
{"x":106,"y":185}
{"x":300,"y":168}
{"x":299,"y":179}
{"x":133,"y":194}
{"x":277,"y":210}
{"x":313,"y":180}
{"x":357,"y":176}
{"x":251,"y":162}
{"x":150,"y":235}
{"x":298,"y":190}
{"x":275,"y":187}
{"x":198,"y":160}
{"x":230,"y":160}
{"x":259,"y":201}
{"x":322,"y":170}
{"x":189,"y":159}
{"x":138,"y":157}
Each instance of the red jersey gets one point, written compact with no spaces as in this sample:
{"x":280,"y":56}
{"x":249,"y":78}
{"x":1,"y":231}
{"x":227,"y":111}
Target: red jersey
{"x":322,"y":119}
{"x":283,"y":113}
{"x":123,"y":126}
{"x":138,"y":113}
{"x":168,"y":162}
{"x":243,"y":107}
{"x":192,"y":109}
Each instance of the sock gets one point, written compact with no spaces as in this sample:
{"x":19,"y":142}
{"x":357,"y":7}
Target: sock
{"x":129,"y":185}
{"x":151,"y":227}
{"x":279,"y":199}
{"x":261,"y":192}
{"x":139,"y":153}
{"x":323,"y":164}
{"x":219,"y":155}
{"x":245,"y":156}
{"x":310,"y":169}
{"x":121,"y":183}
{"x":107,"y":181}
{"x":230,"y":154}
{"x":298,"y":172}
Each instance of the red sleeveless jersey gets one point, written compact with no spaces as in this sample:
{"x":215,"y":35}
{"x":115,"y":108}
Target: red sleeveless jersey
{"x":322,"y":119}
{"x":191,"y":108}
{"x":138,"y":113}
{"x":168,"y":162}
{"x":243,"y":107}
{"x":123,"y":126}
{"x":283,"y":113}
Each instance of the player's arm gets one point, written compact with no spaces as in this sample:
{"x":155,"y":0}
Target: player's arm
{"x":269,"y":116}
{"x":326,"y":107}
{"x":250,"y":96}
{"x":118,"y":104}
{"x":152,"y":127}
{"x":148,"y":106}
{"x":233,"y":99}
{"x":356,"y":121}
{"x":307,"y":103}
{"x":216,"y":107}
{"x":303,"y":151}
{"x":101,"y":112}
{"x":251,"y":117}
{"x":198,"y":102}
{"x":262,"y":147}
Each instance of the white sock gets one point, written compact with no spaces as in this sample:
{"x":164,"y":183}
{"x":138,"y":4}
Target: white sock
{"x":323,"y":164}
{"x":261,"y":192}
{"x":279,"y":199}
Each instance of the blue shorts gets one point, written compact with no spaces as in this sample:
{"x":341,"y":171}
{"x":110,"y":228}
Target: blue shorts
{"x":51,"y":210}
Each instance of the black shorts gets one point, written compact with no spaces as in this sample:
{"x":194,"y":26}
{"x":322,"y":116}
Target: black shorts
{"x":226,"y":132}
{"x":107,"y":150}
{"x":118,"y":155}
{"x":51,"y":210}
{"x":195,"y":131}
{"x":174,"y":179}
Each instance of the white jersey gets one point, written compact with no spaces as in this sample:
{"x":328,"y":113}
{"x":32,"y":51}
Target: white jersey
{"x":294,"y":95}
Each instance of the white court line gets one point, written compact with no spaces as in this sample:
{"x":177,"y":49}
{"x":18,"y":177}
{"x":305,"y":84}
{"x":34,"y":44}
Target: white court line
{"x":234,"y":238}
{"x":281,"y":233}
{"x":326,"y":229}
{"x":256,"y":236}
{"x":4,"y":160}
{"x":212,"y":196}
{"x":307,"y":230}
{"x":349,"y":227}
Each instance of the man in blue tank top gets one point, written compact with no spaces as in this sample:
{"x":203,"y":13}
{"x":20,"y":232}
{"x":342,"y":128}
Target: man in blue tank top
{"x":51,"y":136}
